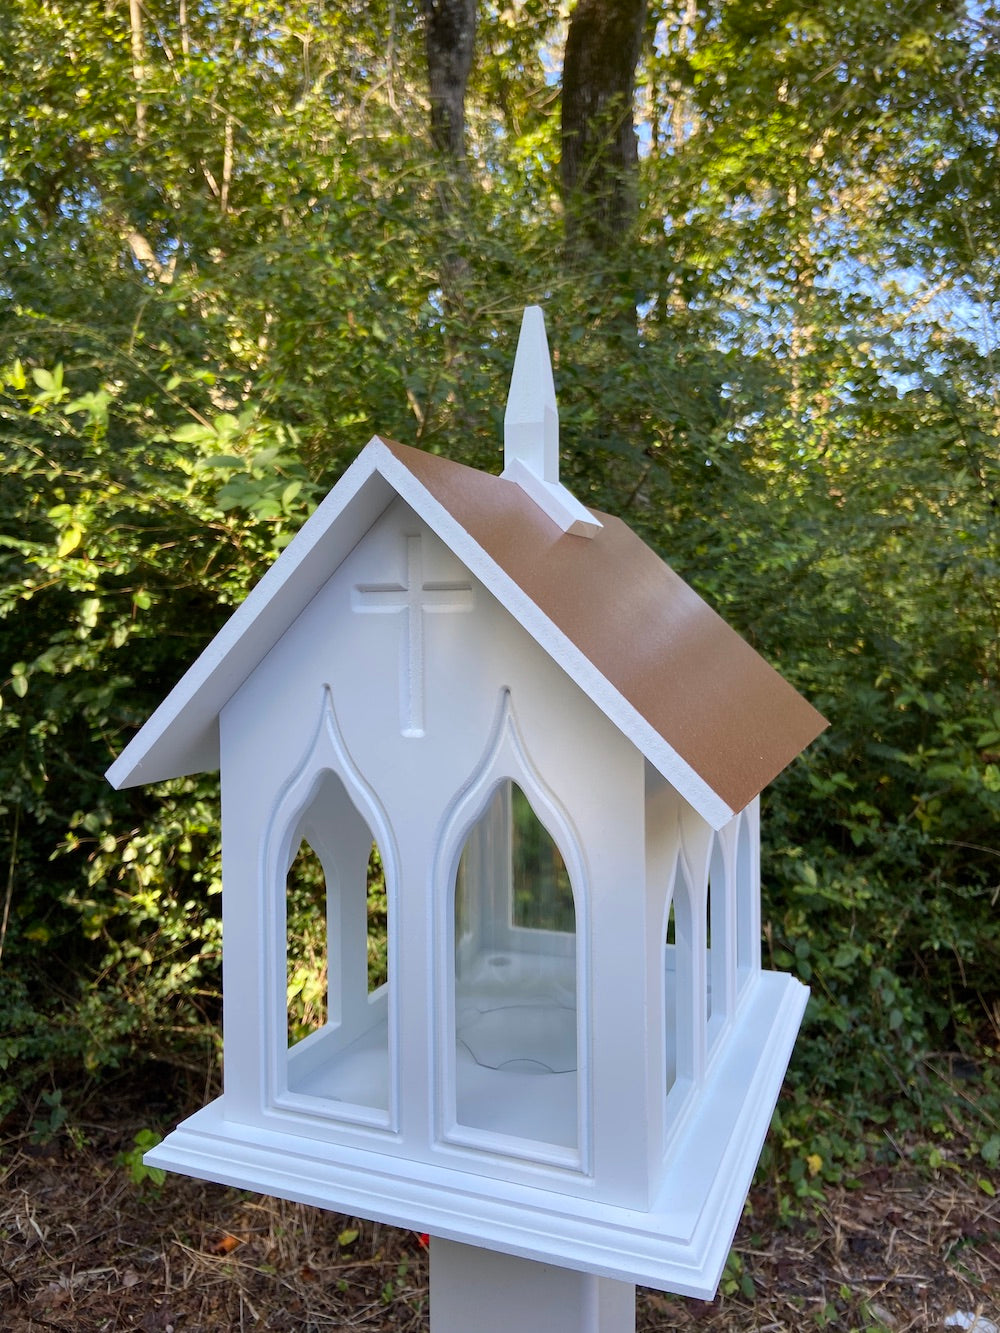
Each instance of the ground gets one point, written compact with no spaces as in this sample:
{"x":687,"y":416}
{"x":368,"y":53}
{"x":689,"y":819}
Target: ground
{"x":84,"y":1247}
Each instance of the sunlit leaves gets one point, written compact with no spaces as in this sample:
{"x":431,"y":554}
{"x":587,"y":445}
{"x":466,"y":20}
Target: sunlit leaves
{"x":69,"y":540}
{"x":200,"y":325}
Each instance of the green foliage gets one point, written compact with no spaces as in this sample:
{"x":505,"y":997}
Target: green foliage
{"x":736,"y":1281}
{"x":120,"y":541}
{"x":542,"y":892}
{"x":227,"y":263}
{"x":306,"y":926}
{"x":138,"y":1172}
{"x":378,"y":922}
{"x":50,"y":1118}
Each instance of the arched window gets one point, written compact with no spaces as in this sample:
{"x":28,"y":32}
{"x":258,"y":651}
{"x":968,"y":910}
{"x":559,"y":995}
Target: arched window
{"x":337,"y":992}
{"x":683,"y":993}
{"x":747,"y":903}
{"x":720,"y":964}
{"x":515,"y":983}
{"x":511,"y":1048}
{"x":306,"y":951}
{"x":329,"y":891}
{"x":670,"y":997}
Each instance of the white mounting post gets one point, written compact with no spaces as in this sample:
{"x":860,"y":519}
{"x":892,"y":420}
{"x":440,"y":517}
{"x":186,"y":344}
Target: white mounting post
{"x":531,"y":431}
{"x":481,"y":1291}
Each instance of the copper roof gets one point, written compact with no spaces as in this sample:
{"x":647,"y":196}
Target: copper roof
{"x":692,"y":677}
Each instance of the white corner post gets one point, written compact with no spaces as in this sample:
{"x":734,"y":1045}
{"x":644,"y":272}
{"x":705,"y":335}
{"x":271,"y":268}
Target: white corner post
{"x":481,"y":1291}
{"x":531,"y":431}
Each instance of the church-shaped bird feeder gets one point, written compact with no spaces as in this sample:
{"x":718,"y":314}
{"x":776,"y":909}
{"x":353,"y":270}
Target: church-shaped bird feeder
{"x":557,"y":750}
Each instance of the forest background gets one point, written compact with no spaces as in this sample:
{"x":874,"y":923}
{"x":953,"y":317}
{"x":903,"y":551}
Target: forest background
{"x":239,"y":237}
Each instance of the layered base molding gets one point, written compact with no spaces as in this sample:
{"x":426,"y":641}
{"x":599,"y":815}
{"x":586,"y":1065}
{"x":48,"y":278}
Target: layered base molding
{"x":680,"y":1245}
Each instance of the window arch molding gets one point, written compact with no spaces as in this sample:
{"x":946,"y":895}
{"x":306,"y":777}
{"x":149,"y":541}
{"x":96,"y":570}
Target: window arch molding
{"x":722,"y":929}
{"x":505,"y":759}
{"x":683,"y":987}
{"x":746,"y":878}
{"x":296,"y":815}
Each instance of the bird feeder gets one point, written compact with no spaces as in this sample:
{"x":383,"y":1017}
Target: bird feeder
{"x":557,"y":750}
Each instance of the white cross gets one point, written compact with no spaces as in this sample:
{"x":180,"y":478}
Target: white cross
{"x":415,"y":596}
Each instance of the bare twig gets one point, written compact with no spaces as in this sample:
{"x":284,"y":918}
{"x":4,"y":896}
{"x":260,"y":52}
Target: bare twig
{"x":11,"y":865}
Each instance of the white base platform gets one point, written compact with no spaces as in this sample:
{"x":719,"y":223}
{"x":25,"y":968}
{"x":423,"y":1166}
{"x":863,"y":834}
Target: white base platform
{"x":679,"y":1245}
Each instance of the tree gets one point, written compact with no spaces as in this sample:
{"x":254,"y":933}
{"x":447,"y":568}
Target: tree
{"x":449,"y":39}
{"x":225,"y":262}
{"x":599,"y":146}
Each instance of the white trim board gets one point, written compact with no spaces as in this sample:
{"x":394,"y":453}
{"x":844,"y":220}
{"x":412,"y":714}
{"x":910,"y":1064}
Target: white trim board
{"x":680,"y":1245}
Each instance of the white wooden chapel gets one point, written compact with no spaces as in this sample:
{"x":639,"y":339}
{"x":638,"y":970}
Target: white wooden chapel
{"x":558,"y":749}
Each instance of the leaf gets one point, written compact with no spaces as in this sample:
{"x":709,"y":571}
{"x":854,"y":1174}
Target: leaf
{"x":70,"y":540}
{"x":224,"y":1245}
{"x":193,"y":433}
{"x":347,"y":1237}
{"x":50,"y":384}
{"x":808,"y":873}
{"x":222,"y":460}
{"x":237,"y":493}
{"x":94,"y":404}
{"x":226,"y":426}
{"x":289,"y":493}
{"x":847,"y":953}
{"x":263,"y":458}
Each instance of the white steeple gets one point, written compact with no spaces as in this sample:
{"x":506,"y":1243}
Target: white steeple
{"x":531,"y":431}
{"x":531,"y":422}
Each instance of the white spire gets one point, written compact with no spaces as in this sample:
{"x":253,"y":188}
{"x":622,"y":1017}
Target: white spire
{"x":531,"y":431}
{"x":531,"y":422}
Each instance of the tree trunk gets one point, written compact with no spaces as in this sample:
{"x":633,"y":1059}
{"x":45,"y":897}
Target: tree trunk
{"x":599,"y":146}
{"x":138,"y":44}
{"x":449,"y":36}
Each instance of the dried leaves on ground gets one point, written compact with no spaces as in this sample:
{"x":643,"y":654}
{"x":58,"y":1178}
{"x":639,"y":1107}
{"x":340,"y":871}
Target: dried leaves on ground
{"x":84,"y":1248}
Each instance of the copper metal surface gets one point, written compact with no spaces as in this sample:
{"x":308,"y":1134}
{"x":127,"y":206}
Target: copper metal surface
{"x":711,"y":697}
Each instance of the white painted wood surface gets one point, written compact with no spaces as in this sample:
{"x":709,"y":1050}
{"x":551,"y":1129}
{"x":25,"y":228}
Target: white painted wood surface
{"x":600,"y":1110}
{"x":480,"y":1291}
{"x":531,"y":431}
{"x":679,"y":1244}
{"x":636,"y":1167}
